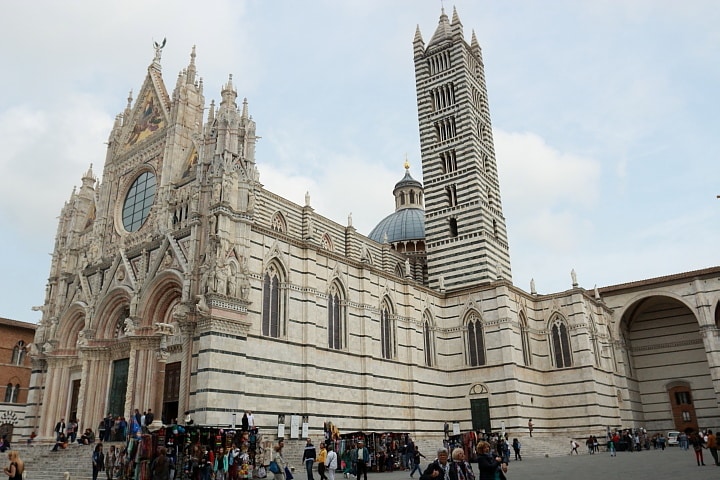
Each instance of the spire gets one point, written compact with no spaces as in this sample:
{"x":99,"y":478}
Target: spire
{"x":456,"y":24}
{"x":475,"y":46}
{"x":89,"y":174}
{"x":443,"y":31}
{"x":191,"y":70}
{"x":126,"y":113}
{"x":245,"y":108}
{"x":418,"y":43}
{"x":229,"y":94}
{"x":211,"y":112}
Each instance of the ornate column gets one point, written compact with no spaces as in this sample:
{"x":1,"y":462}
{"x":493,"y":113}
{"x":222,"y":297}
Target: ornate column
{"x":187,"y":329}
{"x":162,"y":354}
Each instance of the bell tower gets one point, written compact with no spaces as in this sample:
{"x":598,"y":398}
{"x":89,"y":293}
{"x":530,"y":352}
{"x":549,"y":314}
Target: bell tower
{"x":465,"y":234}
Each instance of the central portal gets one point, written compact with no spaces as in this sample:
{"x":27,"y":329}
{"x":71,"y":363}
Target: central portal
{"x":118,"y":388}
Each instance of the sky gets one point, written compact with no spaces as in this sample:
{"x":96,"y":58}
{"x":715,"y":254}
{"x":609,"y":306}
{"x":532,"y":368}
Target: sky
{"x":605,"y":118}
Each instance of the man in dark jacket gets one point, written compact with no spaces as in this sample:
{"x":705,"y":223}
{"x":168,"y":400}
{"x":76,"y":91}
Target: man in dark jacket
{"x":309,"y":456}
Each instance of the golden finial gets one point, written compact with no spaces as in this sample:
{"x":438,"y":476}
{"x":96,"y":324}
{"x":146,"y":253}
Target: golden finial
{"x":407,"y":164}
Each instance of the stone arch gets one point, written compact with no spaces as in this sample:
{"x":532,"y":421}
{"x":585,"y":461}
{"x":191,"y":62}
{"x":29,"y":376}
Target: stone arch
{"x":662,"y":342}
{"x":634,"y":303}
{"x":72,"y":322}
{"x":163,"y":293}
{"x":113,"y":309}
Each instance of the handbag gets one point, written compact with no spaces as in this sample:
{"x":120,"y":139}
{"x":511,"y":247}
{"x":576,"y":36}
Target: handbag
{"x":274,"y":467}
{"x":261,"y":473}
{"x":288,"y":475}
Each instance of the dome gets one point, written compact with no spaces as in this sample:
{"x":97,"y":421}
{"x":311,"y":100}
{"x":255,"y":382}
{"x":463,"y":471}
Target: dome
{"x":407,"y":181}
{"x":403,"y":225}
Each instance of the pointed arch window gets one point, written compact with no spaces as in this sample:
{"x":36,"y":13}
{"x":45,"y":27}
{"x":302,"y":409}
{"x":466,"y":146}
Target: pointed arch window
{"x":428,"y":341}
{"x":11,"y":393}
{"x":18,"y":354}
{"x":560,"y":344}
{"x":336,"y":318}
{"x":387,"y":331}
{"x":595,"y":342}
{"x":273,"y":303}
{"x":475,"y":341}
{"x":525,"y":340}
{"x":278,"y":223}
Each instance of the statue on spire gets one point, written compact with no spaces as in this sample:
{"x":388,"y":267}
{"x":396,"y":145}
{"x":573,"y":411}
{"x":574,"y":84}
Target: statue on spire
{"x":158,"y":50}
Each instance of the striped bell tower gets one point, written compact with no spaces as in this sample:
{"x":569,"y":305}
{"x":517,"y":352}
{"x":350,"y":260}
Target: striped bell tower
{"x":464,"y":225}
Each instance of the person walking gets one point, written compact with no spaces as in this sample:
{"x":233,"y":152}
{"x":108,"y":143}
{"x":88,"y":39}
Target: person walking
{"x":308,"y":458}
{"x":573,"y":447}
{"x":696,"y":442}
{"x":331,"y":462}
{"x":98,"y":460}
{"x":516,"y":448}
{"x":279,"y":460}
{"x":160,"y":467}
{"x":110,"y":461}
{"x":16,"y":468}
{"x":416,"y":463}
{"x":322,"y":456}
{"x":712,"y":446}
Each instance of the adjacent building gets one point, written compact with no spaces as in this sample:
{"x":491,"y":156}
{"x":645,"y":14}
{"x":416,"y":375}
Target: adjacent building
{"x":15,"y":369}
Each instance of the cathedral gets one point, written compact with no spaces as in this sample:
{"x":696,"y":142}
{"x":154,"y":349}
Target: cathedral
{"x":179,"y":283}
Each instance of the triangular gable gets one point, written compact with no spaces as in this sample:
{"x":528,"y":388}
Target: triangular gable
{"x":190,"y":164}
{"x":150,"y":113}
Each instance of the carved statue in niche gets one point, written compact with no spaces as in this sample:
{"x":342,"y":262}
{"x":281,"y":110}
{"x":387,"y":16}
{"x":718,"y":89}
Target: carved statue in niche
{"x":221,"y":278}
{"x":407,"y":267}
{"x":168,"y":259}
{"x":53,"y":328}
{"x":212,"y":226}
{"x":231,"y":280}
{"x":129,"y":327}
{"x":82,"y":341}
{"x":120,"y":274}
{"x":244,"y":286}
{"x":251,"y":202}
{"x":204,"y":278}
{"x":202,"y":306}
{"x":217,"y":192}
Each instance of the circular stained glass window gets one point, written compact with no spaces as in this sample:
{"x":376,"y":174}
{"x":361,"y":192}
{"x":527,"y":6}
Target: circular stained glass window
{"x":138,"y":201}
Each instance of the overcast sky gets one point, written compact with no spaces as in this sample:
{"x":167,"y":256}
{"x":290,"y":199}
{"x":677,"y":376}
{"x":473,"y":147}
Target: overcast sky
{"x":605,"y":116}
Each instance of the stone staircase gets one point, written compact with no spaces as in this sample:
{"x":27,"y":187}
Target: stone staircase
{"x":43,"y":464}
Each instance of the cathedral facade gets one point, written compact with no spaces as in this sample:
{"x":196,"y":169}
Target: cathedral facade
{"x":179,"y":283}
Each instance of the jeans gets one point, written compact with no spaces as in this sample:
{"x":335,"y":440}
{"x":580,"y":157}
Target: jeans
{"x":309,"y":468}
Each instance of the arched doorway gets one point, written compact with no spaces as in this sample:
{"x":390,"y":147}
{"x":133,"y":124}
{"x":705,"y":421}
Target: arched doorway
{"x":666,"y":365}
